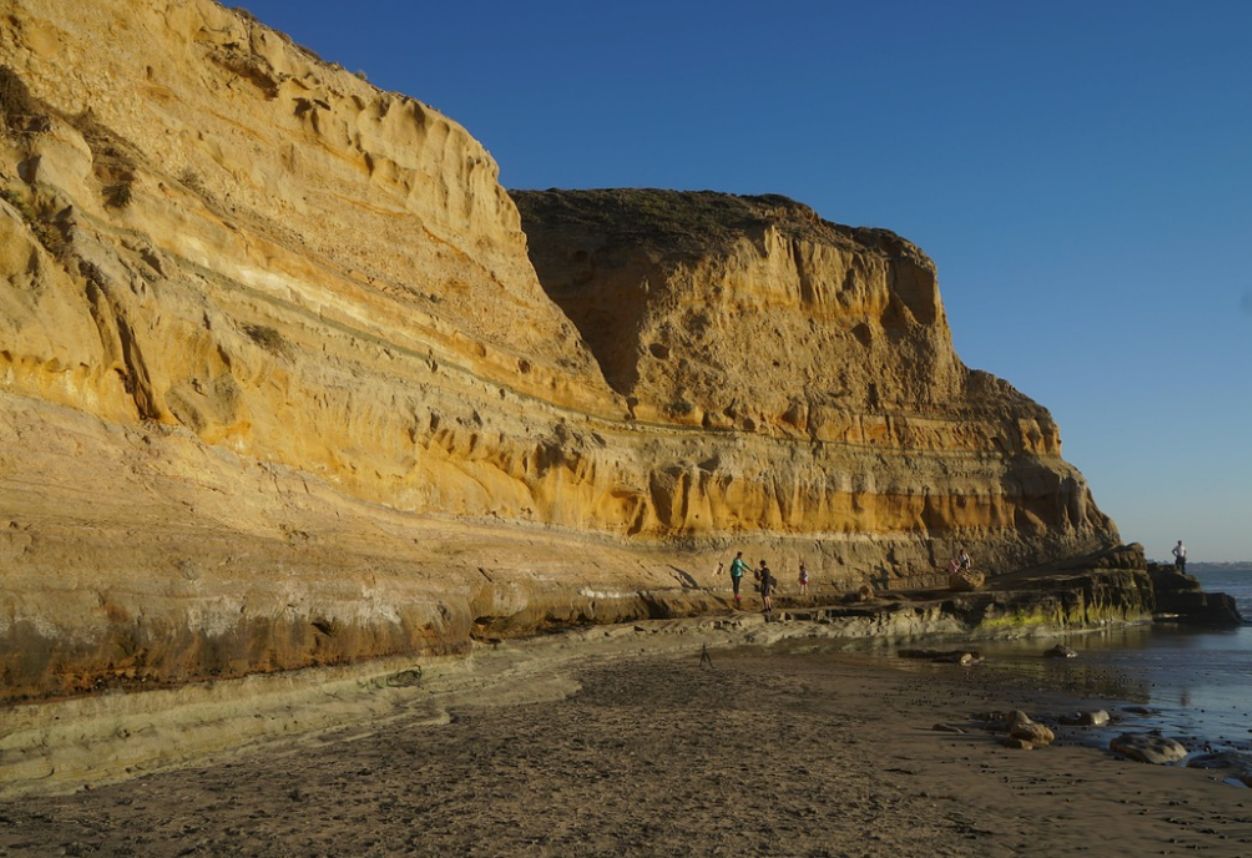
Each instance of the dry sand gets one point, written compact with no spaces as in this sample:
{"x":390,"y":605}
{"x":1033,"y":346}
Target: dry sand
{"x":764,"y":753}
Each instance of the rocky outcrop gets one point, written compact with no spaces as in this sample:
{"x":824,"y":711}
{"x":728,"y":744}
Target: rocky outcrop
{"x":1021,"y":727}
{"x":1077,"y":599}
{"x":966,"y":580}
{"x":1179,"y":598}
{"x":280,"y":385}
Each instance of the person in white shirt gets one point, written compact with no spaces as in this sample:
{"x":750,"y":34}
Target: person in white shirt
{"x":1180,"y":557}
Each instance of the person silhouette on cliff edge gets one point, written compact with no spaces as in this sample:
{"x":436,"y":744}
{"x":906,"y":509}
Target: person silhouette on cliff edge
{"x":1180,"y":557}
{"x":737,"y":567}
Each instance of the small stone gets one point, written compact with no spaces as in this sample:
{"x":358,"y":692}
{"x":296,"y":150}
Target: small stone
{"x":1148,"y":748}
{"x":1020,"y":726}
{"x":1017,"y":744}
{"x":1037,"y":735}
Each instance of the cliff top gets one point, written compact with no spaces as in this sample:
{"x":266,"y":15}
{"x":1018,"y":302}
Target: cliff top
{"x":691,"y":223}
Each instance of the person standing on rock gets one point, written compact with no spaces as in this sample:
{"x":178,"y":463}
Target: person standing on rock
{"x":767,"y":585}
{"x":804,"y":580}
{"x":737,"y":567}
{"x":964,"y":560}
{"x":1180,"y":557}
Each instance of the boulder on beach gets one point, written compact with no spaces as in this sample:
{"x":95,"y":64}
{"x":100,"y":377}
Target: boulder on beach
{"x":1094,"y":718}
{"x":1148,"y":748}
{"x":1020,"y":726}
{"x":966,"y":581}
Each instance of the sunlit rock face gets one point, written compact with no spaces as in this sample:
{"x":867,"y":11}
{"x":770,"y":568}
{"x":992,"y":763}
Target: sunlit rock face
{"x":812,"y":364}
{"x":279,"y":383}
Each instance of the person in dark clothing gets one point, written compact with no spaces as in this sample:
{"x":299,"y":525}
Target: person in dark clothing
{"x":767,"y":584}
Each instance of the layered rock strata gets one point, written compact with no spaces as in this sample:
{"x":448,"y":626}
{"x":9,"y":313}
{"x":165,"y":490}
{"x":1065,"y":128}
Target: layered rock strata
{"x":279,"y":383}
{"x":747,"y":318}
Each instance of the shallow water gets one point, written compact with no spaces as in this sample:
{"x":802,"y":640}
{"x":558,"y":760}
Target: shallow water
{"x":1197,"y":684}
{"x":1192,"y":685}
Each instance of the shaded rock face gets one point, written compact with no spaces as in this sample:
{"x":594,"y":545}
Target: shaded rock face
{"x":279,"y":383}
{"x":1178,"y":595}
{"x":697,"y":304}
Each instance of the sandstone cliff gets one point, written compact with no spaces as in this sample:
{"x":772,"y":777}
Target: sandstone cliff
{"x":751,"y":316}
{"x":279,"y":384}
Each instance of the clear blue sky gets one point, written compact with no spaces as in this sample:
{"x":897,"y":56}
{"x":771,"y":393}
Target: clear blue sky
{"x":1080,"y":171}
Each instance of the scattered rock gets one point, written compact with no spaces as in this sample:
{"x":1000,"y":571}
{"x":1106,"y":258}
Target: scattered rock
{"x":1020,"y":726}
{"x":1237,"y":766}
{"x":1018,"y":744}
{"x":411,"y":678}
{"x":947,"y":728}
{"x":1060,"y":651}
{"x":966,"y":581}
{"x":1148,"y":748}
{"x":953,"y":656}
{"x":1095,"y":718}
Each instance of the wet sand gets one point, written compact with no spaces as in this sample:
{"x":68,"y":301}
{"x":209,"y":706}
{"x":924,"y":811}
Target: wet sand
{"x":764,"y":753}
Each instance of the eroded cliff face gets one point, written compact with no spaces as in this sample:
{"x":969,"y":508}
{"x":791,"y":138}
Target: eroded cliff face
{"x":279,"y":384}
{"x":751,"y":315}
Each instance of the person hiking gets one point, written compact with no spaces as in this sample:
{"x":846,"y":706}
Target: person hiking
{"x":804,"y":580}
{"x":1180,"y":557}
{"x":767,"y":585}
{"x":737,"y":567}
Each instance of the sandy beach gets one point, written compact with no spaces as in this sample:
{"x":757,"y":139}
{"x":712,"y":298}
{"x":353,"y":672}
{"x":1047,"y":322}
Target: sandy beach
{"x":765,"y":752}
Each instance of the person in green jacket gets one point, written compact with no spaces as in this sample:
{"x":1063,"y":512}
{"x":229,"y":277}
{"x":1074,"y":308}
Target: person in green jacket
{"x":737,"y":567}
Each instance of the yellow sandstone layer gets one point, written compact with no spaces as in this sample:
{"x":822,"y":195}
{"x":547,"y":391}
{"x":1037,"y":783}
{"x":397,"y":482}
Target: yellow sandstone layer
{"x":279,"y":383}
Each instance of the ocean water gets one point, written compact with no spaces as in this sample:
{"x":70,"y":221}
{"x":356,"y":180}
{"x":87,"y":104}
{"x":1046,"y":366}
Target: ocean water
{"x":1196,"y":684}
